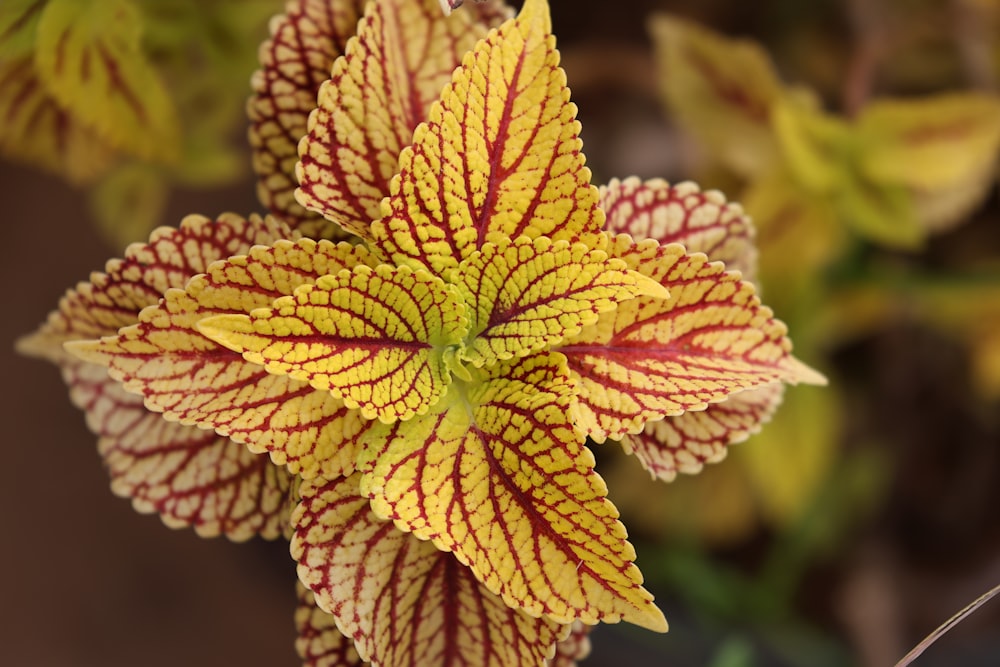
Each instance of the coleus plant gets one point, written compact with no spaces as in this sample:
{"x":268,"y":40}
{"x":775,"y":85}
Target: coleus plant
{"x":422,"y":336}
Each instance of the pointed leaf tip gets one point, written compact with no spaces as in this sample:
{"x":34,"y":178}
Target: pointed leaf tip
{"x":800,"y":373}
{"x":537,"y":10}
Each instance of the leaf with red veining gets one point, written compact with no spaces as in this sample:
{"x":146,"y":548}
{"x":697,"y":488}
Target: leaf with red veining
{"x":525,"y":295}
{"x":186,"y":475}
{"x":374,"y":337}
{"x":295,"y":61}
{"x":35,"y":130}
{"x":574,"y":647}
{"x":89,"y":54}
{"x":377,"y":94}
{"x":403,"y":601}
{"x":319,"y":642}
{"x":497,"y":474}
{"x":189,"y":476}
{"x":112,"y":299}
{"x":191,"y":379}
{"x":686,"y":442}
{"x":499,"y":157}
{"x":700,"y":221}
{"x":654,"y":358}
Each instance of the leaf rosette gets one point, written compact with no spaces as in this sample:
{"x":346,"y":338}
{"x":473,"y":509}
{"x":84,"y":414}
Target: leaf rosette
{"x":434,"y":383}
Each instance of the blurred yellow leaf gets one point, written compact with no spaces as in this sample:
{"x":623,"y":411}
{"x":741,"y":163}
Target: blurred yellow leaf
{"x":798,"y":233}
{"x":18,"y":23}
{"x":788,"y":460}
{"x":720,"y":89}
{"x":816,"y":145}
{"x":37,"y":131}
{"x":930,"y":143}
{"x":90,"y":57}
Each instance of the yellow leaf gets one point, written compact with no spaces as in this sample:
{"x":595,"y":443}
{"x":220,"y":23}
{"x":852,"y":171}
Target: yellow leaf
{"x":372,"y":337}
{"x":403,"y":601}
{"x":377,"y":94}
{"x":818,"y":147}
{"x":654,"y":358}
{"x":721,"y":90}
{"x":37,"y":132}
{"x":192,"y":380}
{"x":699,"y":221}
{"x":499,"y":157}
{"x":933,"y":143}
{"x":884,"y":213}
{"x":783,"y":474}
{"x":525,"y":296}
{"x":295,"y":61}
{"x":798,"y":233}
{"x":498,"y":475}
{"x":89,"y":55}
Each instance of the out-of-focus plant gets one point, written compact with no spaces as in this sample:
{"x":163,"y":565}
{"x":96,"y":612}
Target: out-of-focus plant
{"x":412,"y":408}
{"x":128,"y":98}
{"x":838,"y":200}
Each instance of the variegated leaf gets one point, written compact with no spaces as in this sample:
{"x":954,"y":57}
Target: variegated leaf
{"x":112,"y":299}
{"x":319,"y":642}
{"x":499,"y":157}
{"x":90,"y":56}
{"x":295,"y":61}
{"x":403,"y":601}
{"x":686,"y":442}
{"x":192,"y":380}
{"x":189,"y":476}
{"x":654,"y":358}
{"x":35,"y":130}
{"x":497,"y":474}
{"x":377,"y":94}
{"x":186,"y":475}
{"x":375,"y":338}
{"x":526,"y":295}
{"x":682,"y":213}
